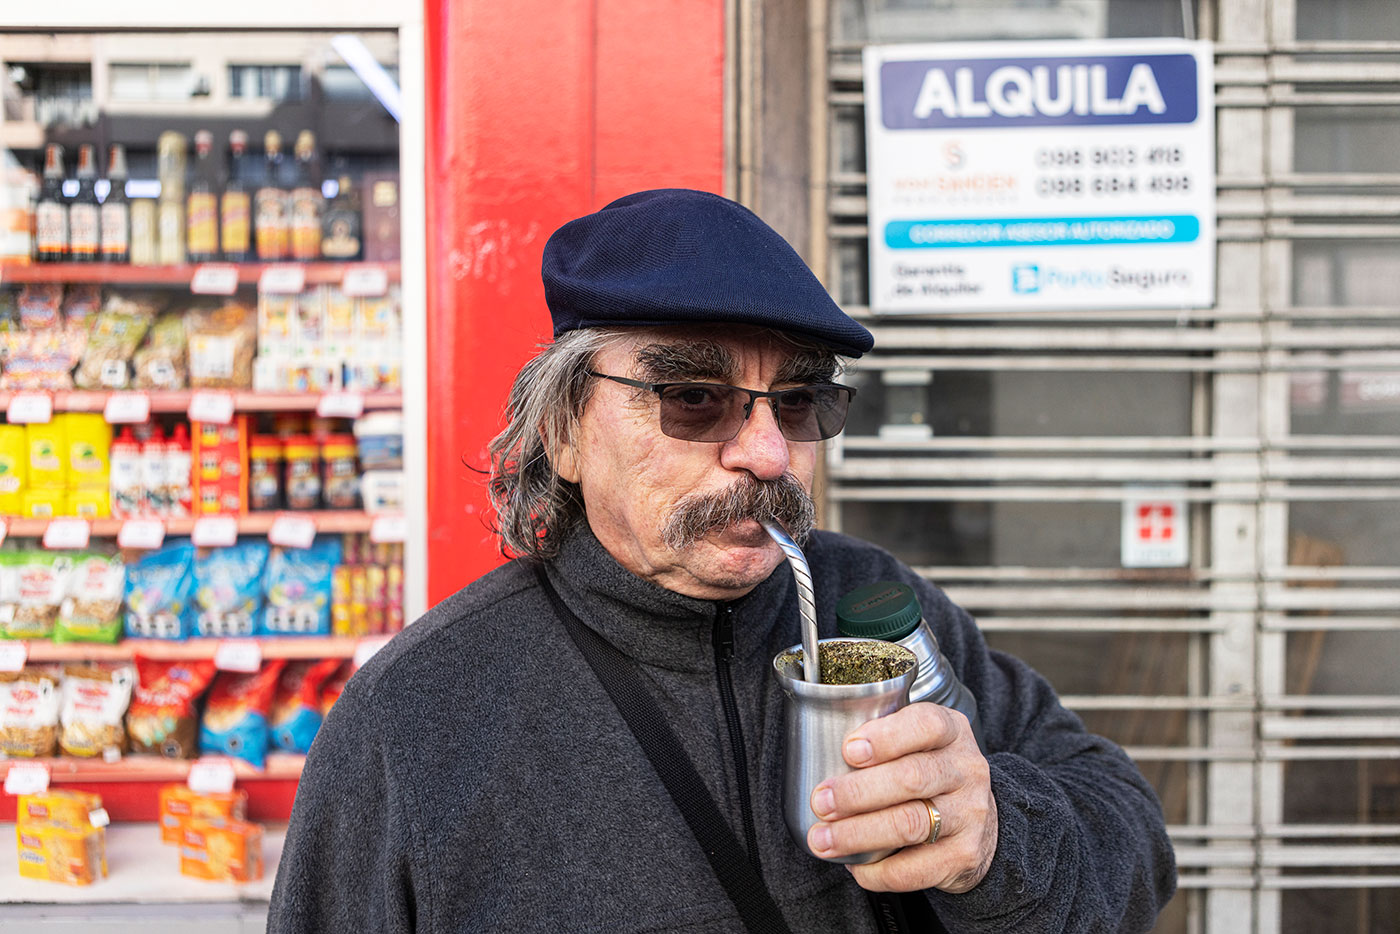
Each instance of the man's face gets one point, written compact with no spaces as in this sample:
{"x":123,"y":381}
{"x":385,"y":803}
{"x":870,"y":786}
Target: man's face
{"x":633,"y":477}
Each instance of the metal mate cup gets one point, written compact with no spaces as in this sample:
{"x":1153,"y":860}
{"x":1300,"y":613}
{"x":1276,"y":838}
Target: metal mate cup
{"x":818,"y":716}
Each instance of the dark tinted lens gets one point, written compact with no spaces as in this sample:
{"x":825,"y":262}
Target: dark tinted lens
{"x":702,"y":412}
{"x":812,"y":413}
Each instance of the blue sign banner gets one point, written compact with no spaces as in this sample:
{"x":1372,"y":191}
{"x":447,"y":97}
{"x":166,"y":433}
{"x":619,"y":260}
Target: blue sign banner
{"x":1041,"y":231}
{"x":1090,"y":90}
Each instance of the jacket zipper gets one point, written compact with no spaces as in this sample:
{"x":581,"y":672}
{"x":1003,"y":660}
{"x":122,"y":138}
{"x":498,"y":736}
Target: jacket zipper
{"x":724,"y":653}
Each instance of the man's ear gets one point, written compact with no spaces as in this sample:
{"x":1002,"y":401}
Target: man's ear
{"x":566,"y":463}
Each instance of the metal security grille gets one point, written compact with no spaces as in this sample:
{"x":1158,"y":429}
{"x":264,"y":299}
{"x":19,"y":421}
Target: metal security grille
{"x":1258,"y":686}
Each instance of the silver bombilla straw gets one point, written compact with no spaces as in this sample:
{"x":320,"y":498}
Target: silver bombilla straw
{"x":806,"y":599}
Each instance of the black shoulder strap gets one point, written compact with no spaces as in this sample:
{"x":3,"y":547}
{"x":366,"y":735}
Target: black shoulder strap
{"x":740,"y":880}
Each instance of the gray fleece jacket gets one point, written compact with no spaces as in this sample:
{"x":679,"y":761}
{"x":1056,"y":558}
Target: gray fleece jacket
{"x":474,"y":776}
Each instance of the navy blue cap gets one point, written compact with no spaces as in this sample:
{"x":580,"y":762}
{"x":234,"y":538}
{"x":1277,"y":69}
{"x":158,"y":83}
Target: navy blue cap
{"x":676,"y":256}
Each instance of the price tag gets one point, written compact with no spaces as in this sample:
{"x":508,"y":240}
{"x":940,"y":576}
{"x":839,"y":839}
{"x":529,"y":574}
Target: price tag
{"x":365,"y":649}
{"x":388,"y":528}
{"x":111,"y":754}
{"x":29,"y":408}
{"x":213,"y":407}
{"x":215,"y":279}
{"x":211,"y":776}
{"x":365,"y":281}
{"x":145,"y":534}
{"x":238,"y":655}
{"x":99,"y":817}
{"x":4,"y":530}
{"x":127,"y":408}
{"x":288,"y":279}
{"x":340,"y":405}
{"x":292,"y":531}
{"x":27,"y":778}
{"x":214,"y":531}
{"x":67,"y":533}
{"x":13,"y":655}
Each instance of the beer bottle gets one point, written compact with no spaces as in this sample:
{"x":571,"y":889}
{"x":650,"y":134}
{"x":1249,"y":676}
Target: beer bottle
{"x":340,"y":227}
{"x":271,"y":229}
{"x":307,"y":201}
{"x":235,"y":208}
{"x":84,"y":228}
{"x":51,"y":210}
{"x":115,"y":222}
{"x":202,"y":203}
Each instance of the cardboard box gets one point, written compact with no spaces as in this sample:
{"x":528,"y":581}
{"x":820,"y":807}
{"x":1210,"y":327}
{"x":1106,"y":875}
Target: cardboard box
{"x":221,"y":852}
{"x":219,"y":454}
{"x":68,"y":808}
{"x":380,"y":196}
{"x":179,"y":805}
{"x":56,"y":853}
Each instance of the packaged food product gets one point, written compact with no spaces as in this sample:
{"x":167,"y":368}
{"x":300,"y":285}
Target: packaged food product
{"x":341,"y":321}
{"x":219,"y":466}
{"x":180,"y":804}
{"x":87,"y":503}
{"x":179,"y":479}
{"x":55,"y":853}
{"x":379,"y":440}
{"x":276,"y":314}
{"x":264,"y":472}
{"x":161,"y":718}
{"x":382,"y":490}
{"x":228,"y":589}
{"x":160,"y":591}
{"x":309,"y":323}
{"x":94,"y":703}
{"x":116,"y":332}
{"x":14,"y":464}
{"x":40,"y":584}
{"x":29,"y":702}
{"x":48,"y":450}
{"x":221,"y":852}
{"x":222,"y":343}
{"x":41,"y":306}
{"x":303,"y":472}
{"x":43,"y":503}
{"x":128,"y":493}
{"x":87,"y":440}
{"x":58,"y":806}
{"x":299,"y":589}
{"x":296,"y":708}
{"x":235,"y":715}
{"x":81,"y":301}
{"x":92,"y":610}
{"x":154,"y":489}
{"x":340,"y":479}
{"x":160,"y":363}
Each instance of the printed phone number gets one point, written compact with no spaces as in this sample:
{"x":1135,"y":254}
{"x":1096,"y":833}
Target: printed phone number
{"x":1108,"y":186}
{"x":1107,"y":157}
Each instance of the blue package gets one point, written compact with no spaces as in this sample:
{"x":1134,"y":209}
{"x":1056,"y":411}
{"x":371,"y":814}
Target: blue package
{"x":236,"y":713}
{"x":159,"y":592}
{"x":228,"y":589}
{"x":299,"y":589}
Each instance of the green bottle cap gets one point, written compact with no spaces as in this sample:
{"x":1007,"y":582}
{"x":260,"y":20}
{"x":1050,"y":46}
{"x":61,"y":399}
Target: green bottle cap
{"x":887,"y":610}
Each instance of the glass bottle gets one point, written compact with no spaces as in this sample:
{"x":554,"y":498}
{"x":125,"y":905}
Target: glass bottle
{"x":307,"y":201}
{"x":51,"y":210}
{"x":236,"y":205}
{"x":270,"y":209}
{"x":340,"y":226}
{"x":116,"y":209}
{"x":84,"y":226}
{"x":170,"y":209}
{"x":202,"y":203}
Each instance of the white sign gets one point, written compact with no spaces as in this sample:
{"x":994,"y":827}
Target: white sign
{"x":365,"y":281}
{"x":13,"y":655}
{"x":1156,"y":529}
{"x":67,"y":533}
{"x":391,"y":527}
{"x":292,"y":531}
{"x":341,"y":405}
{"x":282,"y":280}
{"x":127,"y":408}
{"x":214,"y":531}
{"x":215,"y":279}
{"x":29,"y":408}
{"x":27,"y":778}
{"x":1041,"y":175}
{"x":211,"y":776}
{"x":213,"y":407}
{"x":238,"y":655}
{"x":143,"y":534}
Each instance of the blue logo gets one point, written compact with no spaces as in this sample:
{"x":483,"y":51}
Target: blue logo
{"x":1025,"y":278}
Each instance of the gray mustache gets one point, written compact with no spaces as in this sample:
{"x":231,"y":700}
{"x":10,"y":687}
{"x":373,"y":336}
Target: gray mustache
{"x":782,"y":500}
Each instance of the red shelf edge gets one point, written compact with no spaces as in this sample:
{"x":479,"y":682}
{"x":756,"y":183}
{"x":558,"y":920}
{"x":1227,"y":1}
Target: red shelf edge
{"x":147,"y":768}
{"x":317,"y":273}
{"x":290,"y":647}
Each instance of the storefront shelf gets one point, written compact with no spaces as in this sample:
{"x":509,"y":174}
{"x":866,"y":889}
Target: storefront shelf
{"x":259,"y":523}
{"x":291,"y":647}
{"x":179,"y":400}
{"x":147,"y":768}
{"x":124,"y":274}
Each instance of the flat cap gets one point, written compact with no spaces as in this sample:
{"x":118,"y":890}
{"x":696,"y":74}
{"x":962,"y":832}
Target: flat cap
{"x":675,"y":256}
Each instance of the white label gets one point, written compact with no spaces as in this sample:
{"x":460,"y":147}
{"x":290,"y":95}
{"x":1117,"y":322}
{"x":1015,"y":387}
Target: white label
{"x":388,"y":528}
{"x":127,"y":408}
{"x":365,"y":281}
{"x":4,"y":530}
{"x":67,"y":533}
{"x":213,"y":407}
{"x":215,"y":279}
{"x":1156,"y":530}
{"x":211,"y":776}
{"x":214,"y":531}
{"x":27,"y":778}
{"x":292,"y":531}
{"x":99,"y":817}
{"x":112,"y":754}
{"x":13,"y":655}
{"x":341,"y":405}
{"x":282,"y":280}
{"x":365,"y":649}
{"x":30,"y":408}
{"x":145,"y":534}
{"x":238,"y":655}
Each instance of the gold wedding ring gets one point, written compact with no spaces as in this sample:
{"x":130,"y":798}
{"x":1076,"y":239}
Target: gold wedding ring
{"x":935,"y":822}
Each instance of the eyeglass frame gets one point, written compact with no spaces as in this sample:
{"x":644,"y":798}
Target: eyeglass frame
{"x":754,"y":396}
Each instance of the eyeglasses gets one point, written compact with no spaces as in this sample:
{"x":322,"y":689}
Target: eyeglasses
{"x":716,"y":412}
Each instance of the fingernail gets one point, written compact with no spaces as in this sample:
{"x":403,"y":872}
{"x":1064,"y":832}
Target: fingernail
{"x":820,"y":838}
{"x":858,"y":751}
{"x":824,"y":802}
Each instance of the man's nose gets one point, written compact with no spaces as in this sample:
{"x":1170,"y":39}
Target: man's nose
{"x":760,"y":447}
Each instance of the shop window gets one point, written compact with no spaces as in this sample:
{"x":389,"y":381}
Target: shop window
{"x":150,"y":82}
{"x":265,"y":82}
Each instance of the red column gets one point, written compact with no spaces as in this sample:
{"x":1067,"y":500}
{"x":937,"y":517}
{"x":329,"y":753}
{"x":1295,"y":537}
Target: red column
{"x":538,"y":111}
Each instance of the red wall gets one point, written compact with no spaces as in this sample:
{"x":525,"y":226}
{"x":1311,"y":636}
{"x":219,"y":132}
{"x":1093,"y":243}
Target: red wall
{"x":538,"y":111}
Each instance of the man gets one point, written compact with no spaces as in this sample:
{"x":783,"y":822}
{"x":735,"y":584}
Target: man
{"x":476,"y":776}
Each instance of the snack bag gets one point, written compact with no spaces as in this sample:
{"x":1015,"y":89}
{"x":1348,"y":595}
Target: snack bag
{"x":159,"y":591}
{"x":179,"y":804}
{"x":335,"y":684}
{"x":29,"y":702}
{"x":235,"y":717}
{"x":162,"y":718}
{"x":116,"y":333}
{"x":299,"y":589}
{"x":42,"y":583}
{"x":221,"y":852}
{"x":296,"y":708}
{"x":41,"y":306}
{"x":228,"y":589}
{"x":160,"y":363}
{"x":222,"y":342}
{"x":92,"y":610}
{"x":55,"y":853}
{"x":94,"y":700}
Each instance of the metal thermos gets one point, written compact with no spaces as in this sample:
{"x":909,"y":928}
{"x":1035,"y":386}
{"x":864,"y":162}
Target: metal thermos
{"x":890,"y":611}
{"x":818,"y":717}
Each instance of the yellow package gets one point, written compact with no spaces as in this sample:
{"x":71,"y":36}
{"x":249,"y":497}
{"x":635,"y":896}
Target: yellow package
{"x":55,"y":853}
{"x":179,"y":805}
{"x":222,"y":852}
{"x":14,"y":461}
{"x":89,"y":503}
{"x":88,"y":440}
{"x":47,"y":446}
{"x":44,"y":502}
{"x":70,"y":809}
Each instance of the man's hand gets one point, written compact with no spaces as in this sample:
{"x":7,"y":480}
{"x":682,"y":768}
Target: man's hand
{"x":918,"y":753}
